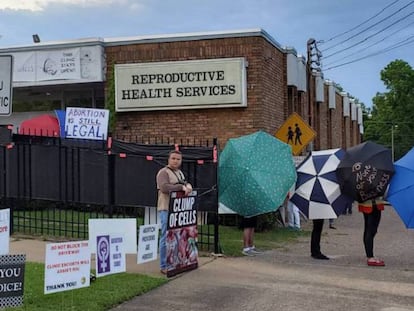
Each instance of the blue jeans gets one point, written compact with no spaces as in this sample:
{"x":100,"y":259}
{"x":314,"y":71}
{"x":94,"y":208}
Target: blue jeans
{"x":163,"y":217}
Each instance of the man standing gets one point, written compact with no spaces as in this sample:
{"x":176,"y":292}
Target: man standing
{"x":169,"y":178}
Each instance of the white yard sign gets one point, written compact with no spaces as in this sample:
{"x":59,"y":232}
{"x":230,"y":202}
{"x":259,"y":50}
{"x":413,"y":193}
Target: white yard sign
{"x":110,"y":255}
{"x":114,"y":227}
{"x":67,"y":266}
{"x":148,"y":243}
{"x":4,"y":231}
{"x":86,"y":123}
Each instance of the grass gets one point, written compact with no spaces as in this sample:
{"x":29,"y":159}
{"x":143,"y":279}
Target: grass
{"x":231,"y":239}
{"x":103,"y":294}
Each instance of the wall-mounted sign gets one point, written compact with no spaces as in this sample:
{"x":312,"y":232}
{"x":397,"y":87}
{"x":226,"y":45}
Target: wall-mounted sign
{"x":6,"y":89}
{"x":212,"y":83}
{"x":86,"y":123}
{"x":52,"y":66}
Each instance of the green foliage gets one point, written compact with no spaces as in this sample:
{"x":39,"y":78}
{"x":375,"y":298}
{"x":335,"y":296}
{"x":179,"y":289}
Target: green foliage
{"x":103,"y":294}
{"x":393,"y":111}
{"x":110,"y":100}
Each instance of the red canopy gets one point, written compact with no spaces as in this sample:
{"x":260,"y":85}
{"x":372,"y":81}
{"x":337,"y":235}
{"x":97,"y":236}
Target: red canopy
{"x":43,"y":125}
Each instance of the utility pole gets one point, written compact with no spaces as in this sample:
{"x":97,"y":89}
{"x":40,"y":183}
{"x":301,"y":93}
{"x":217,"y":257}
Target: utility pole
{"x":312,"y":65}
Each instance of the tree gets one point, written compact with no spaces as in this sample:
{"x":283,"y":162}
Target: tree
{"x":392,"y":113}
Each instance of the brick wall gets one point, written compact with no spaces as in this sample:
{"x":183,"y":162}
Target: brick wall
{"x":266,"y":91}
{"x":269,"y":100}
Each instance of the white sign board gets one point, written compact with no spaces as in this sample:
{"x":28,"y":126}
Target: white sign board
{"x":6,"y":85}
{"x":58,"y":66}
{"x":67,"y":266}
{"x":147,"y":243}
{"x":86,"y":123}
{"x":207,"y":83}
{"x":110,"y":255}
{"x":4,"y":231}
{"x":114,"y":226}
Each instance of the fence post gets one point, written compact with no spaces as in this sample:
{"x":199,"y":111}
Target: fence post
{"x":216,"y":218}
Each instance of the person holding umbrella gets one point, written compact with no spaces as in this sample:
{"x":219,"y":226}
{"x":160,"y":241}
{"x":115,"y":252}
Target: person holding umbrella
{"x":371,"y":210}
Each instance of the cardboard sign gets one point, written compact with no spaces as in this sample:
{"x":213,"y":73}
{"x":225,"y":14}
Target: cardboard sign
{"x":86,"y":123}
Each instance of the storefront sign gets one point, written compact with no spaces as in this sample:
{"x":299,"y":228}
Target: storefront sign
{"x":213,"y":83}
{"x":52,"y":66}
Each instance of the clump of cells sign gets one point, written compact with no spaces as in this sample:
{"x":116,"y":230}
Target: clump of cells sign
{"x":181,"y":240}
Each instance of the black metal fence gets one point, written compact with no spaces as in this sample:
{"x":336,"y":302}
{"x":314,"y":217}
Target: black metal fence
{"x":54,"y":186}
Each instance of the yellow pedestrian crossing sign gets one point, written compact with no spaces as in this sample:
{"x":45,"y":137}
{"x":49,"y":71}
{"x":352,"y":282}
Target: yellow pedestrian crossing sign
{"x":295,"y":132}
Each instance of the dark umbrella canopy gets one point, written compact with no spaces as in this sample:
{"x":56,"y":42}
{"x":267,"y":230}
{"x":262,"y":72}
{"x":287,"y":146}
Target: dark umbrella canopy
{"x":317,"y":192}
{"x":365,"y":171}
{"x":401,"y":191}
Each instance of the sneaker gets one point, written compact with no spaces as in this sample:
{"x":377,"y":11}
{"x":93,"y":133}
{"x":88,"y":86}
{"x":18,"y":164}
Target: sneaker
{"x":248,"y":252}
{"x":255,"y":251}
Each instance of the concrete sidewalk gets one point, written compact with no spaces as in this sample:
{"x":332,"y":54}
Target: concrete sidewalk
{"x":289,"y":279}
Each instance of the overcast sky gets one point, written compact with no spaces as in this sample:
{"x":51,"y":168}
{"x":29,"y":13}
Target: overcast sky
{"x":385,"y":23}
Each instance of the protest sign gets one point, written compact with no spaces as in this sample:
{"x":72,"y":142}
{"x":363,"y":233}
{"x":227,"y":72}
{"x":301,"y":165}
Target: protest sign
{"x":148,"y":242}
{"x":181,"y":240}
{"x":67,"y":266}
{"x":12,"y":280}
{"x":110,"y":254}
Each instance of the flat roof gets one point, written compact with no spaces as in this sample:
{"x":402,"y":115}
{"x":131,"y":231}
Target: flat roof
{"x":162,"y":38}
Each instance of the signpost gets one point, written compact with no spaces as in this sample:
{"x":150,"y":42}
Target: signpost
{"x":6,"y":85}
{"x":296,"y":132}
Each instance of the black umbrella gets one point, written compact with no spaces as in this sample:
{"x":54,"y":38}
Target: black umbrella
{"x":365,"y":171}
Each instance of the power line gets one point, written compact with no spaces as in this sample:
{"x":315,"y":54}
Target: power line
{"x":369,"y":27}
{"x":370,"y":36}
{"x":392,"y":47}
{"x":373,"y":44}
{"x":359,"y":25}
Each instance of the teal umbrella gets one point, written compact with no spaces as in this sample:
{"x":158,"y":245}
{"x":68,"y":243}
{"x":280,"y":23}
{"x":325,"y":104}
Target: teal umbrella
{"x":256,"y":172}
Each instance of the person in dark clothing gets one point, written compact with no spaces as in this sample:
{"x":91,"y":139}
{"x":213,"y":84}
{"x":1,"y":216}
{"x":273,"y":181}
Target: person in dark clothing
{"x":372,"y":216}
{"x":316,"y":240}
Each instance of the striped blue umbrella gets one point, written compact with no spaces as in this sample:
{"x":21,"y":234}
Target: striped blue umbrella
{"x":256,"y":172}
{"x":318,"y":194}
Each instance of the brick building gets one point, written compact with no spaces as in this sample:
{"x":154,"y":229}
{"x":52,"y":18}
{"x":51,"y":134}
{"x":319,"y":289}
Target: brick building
{"x":229,"y":84}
